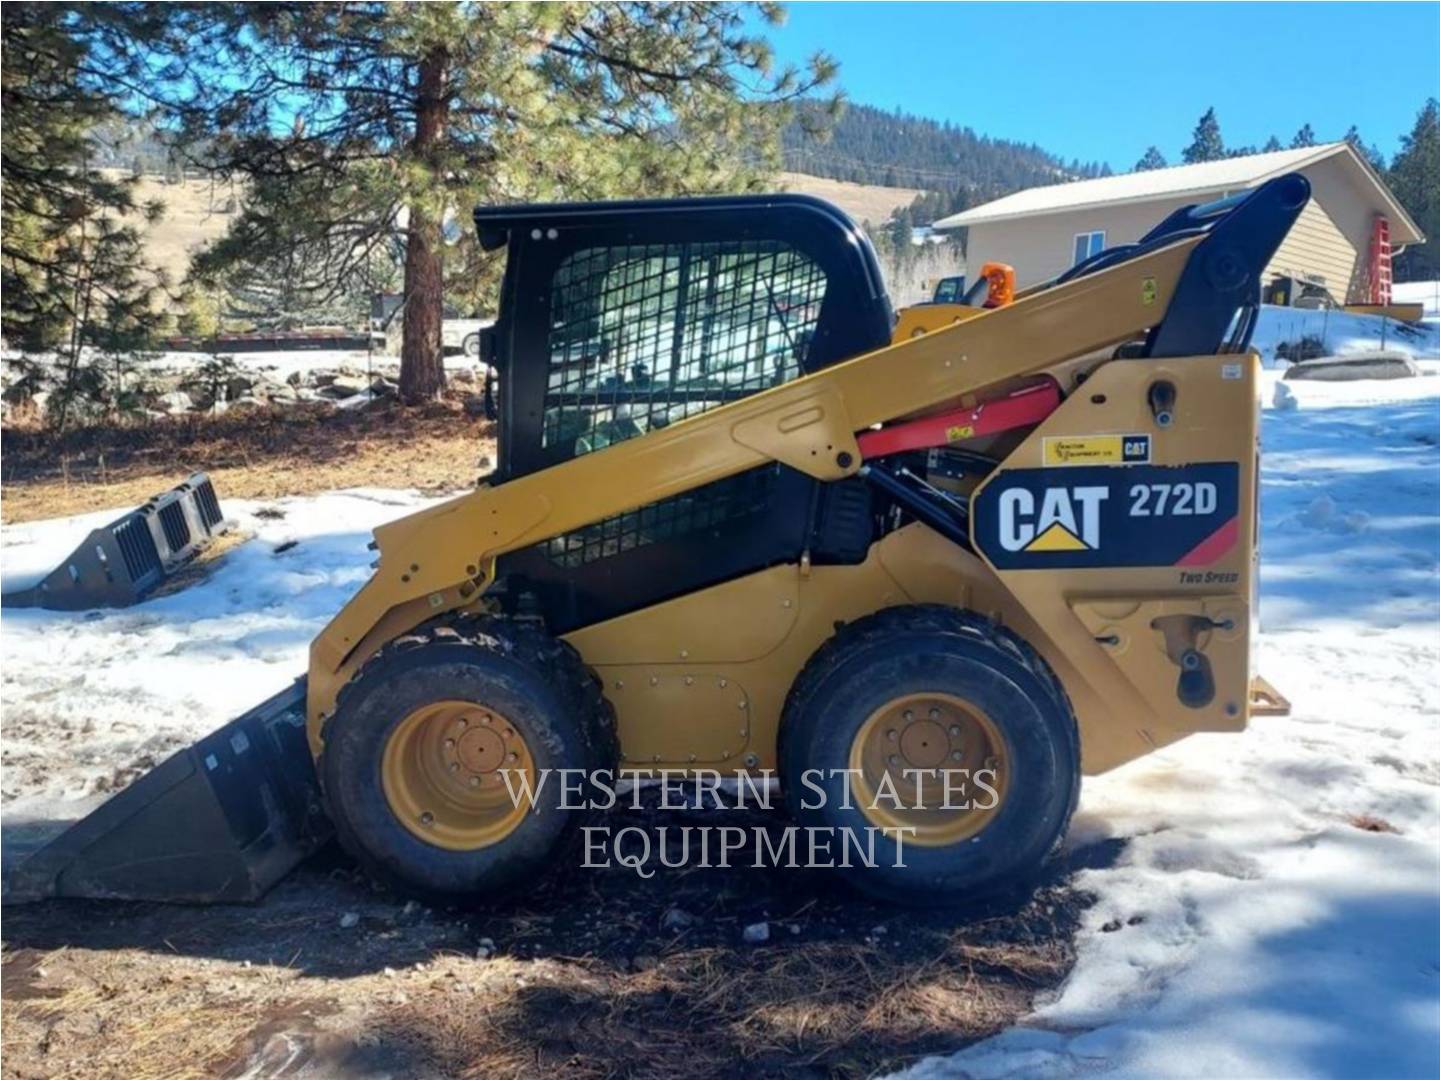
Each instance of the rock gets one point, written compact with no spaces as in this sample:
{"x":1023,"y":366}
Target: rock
{"x":677,"y":919}
{"x":177,"y":401}
{"x":484,"y":952}
{"x":756,"y":933}
{"x":474,"y":405}
{"x":243,"y":405}
{"x":1285,"y":399}
{"x":1376,"y":364}
{"x":237,"y":386}
{"x":280,"y":393}
{"x":644,"y":962}
{"x":389,"y":973}
{"x":344,"y":386}
{"x":348,"y":920}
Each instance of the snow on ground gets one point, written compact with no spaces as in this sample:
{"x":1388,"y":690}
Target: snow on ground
{"x":1249,"y":928}
{"x":1338,"y":333}
{"x":90,"y":699}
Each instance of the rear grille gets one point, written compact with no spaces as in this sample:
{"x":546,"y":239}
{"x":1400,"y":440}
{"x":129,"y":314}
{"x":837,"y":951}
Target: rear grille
{"x":137,"y":547}
{"x":172,"y":520}
{"x":208,"y":503}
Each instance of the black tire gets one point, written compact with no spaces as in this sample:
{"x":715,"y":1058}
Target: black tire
{"x":936,"y":649}
{"x":537,"y":681}
{"x":470,"y":345}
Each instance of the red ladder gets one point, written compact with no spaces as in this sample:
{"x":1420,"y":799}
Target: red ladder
{"x":1380,"y":276}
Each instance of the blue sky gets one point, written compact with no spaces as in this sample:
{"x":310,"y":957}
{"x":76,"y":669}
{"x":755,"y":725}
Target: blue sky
{"x":1104,"y":81}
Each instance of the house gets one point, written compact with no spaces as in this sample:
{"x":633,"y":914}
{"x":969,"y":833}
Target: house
{"x":1336,"y":243}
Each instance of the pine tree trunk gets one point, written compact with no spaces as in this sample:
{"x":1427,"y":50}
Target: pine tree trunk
{"x":422,"y":367}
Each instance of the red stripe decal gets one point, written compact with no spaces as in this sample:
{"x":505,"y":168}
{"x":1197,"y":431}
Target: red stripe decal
{"x":1213,"y":546}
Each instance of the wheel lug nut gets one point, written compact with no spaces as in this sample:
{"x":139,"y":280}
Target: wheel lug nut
{"x":427,"y":818}
{"x":514,"y":756}
{"x":485,"y":719}
{"x":894,"y":760}
{"x":892,"y":735}
{"x":958,"y":756}
{"x":909,"y":714}
{"x":474,"y":781}
{"x":955,"y":730}
{"x":454,"y":766}
{"x":449,"y":744}
{"x":934,"y":714}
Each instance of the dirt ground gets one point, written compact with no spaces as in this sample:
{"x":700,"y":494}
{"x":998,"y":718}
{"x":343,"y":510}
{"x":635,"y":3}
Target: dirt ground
{"x":291,"y":451}
{"x":600,"y":973}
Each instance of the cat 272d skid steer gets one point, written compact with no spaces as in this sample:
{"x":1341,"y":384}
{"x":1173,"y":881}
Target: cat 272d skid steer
{"x":744,"y":519}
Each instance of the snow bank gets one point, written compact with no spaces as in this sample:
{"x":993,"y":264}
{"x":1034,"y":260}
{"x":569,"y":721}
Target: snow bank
{"x":1336,"y":333}
{"x":1252,"y":926}
{"x":92,"y":699}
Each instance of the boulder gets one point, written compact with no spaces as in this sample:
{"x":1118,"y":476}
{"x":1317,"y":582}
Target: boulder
{"x":246,"y":405}
{"x":343,"y":386}
{"x":1352,"y":366}
{"x":176,"y":401}
{"x":237,"y":386}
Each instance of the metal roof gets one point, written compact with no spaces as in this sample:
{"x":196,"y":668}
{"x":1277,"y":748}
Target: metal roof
{"x":1202,"y":180}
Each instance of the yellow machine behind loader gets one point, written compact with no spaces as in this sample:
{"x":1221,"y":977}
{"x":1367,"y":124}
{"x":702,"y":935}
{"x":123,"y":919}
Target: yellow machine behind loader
{"x":744,"y":520}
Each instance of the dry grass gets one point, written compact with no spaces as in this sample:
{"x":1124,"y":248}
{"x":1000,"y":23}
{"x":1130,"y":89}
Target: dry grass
{"x":584,"y":981}
{"x":863,"y":202}
{"x":291,"y":451}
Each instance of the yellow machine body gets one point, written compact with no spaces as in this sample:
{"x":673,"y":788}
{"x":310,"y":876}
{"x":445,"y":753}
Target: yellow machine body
{"x":700,"y":680}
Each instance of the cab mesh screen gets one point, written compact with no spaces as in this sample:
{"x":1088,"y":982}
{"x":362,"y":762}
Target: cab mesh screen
{"x":681,"y":515}
{"x":644,"y":335}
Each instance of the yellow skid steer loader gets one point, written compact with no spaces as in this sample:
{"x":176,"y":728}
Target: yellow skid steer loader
{"x":744,"y":520}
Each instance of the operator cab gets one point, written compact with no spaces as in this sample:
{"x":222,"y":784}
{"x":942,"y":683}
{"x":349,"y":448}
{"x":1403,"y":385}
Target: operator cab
{"x":621,"y":318}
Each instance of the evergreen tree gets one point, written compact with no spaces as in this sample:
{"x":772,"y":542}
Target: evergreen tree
{"x":1205,"y":143}
{"x":400,"y":118}
{"x":1303,"y":138}
{"x":1271,"y":145}
{"x":868,"y":145}
{"x":71,"y":274}
{"x":1152,"y":159}
{"x":1370,"y":153}
{"x":1414,"y":177}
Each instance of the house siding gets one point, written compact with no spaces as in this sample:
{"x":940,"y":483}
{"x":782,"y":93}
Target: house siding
{"x":1315,"y":246}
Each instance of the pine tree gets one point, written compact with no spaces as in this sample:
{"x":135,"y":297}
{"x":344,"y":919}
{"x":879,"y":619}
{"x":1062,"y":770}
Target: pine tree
{"x":1271,"y":145}
{"x":1152,"y":159}
{"x":447,"y":106}
{"x":1303,"y":138}
{"x":1414,"y":177}
{"x":1206,"y":143}
{"x":1370,"y":153}
{"x":72,"y":278}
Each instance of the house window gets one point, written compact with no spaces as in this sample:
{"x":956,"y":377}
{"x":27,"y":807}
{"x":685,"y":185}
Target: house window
{"x":1088,"y":244}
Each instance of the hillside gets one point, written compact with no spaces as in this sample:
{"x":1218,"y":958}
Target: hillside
{"x":196,"y":212}
{"x":863,"y":202}
{"x":895,"y":150}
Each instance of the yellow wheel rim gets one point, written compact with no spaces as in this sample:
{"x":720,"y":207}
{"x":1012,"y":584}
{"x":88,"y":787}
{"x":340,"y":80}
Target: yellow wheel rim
{"x":928,"y":733}
{"x":444,"y":771}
